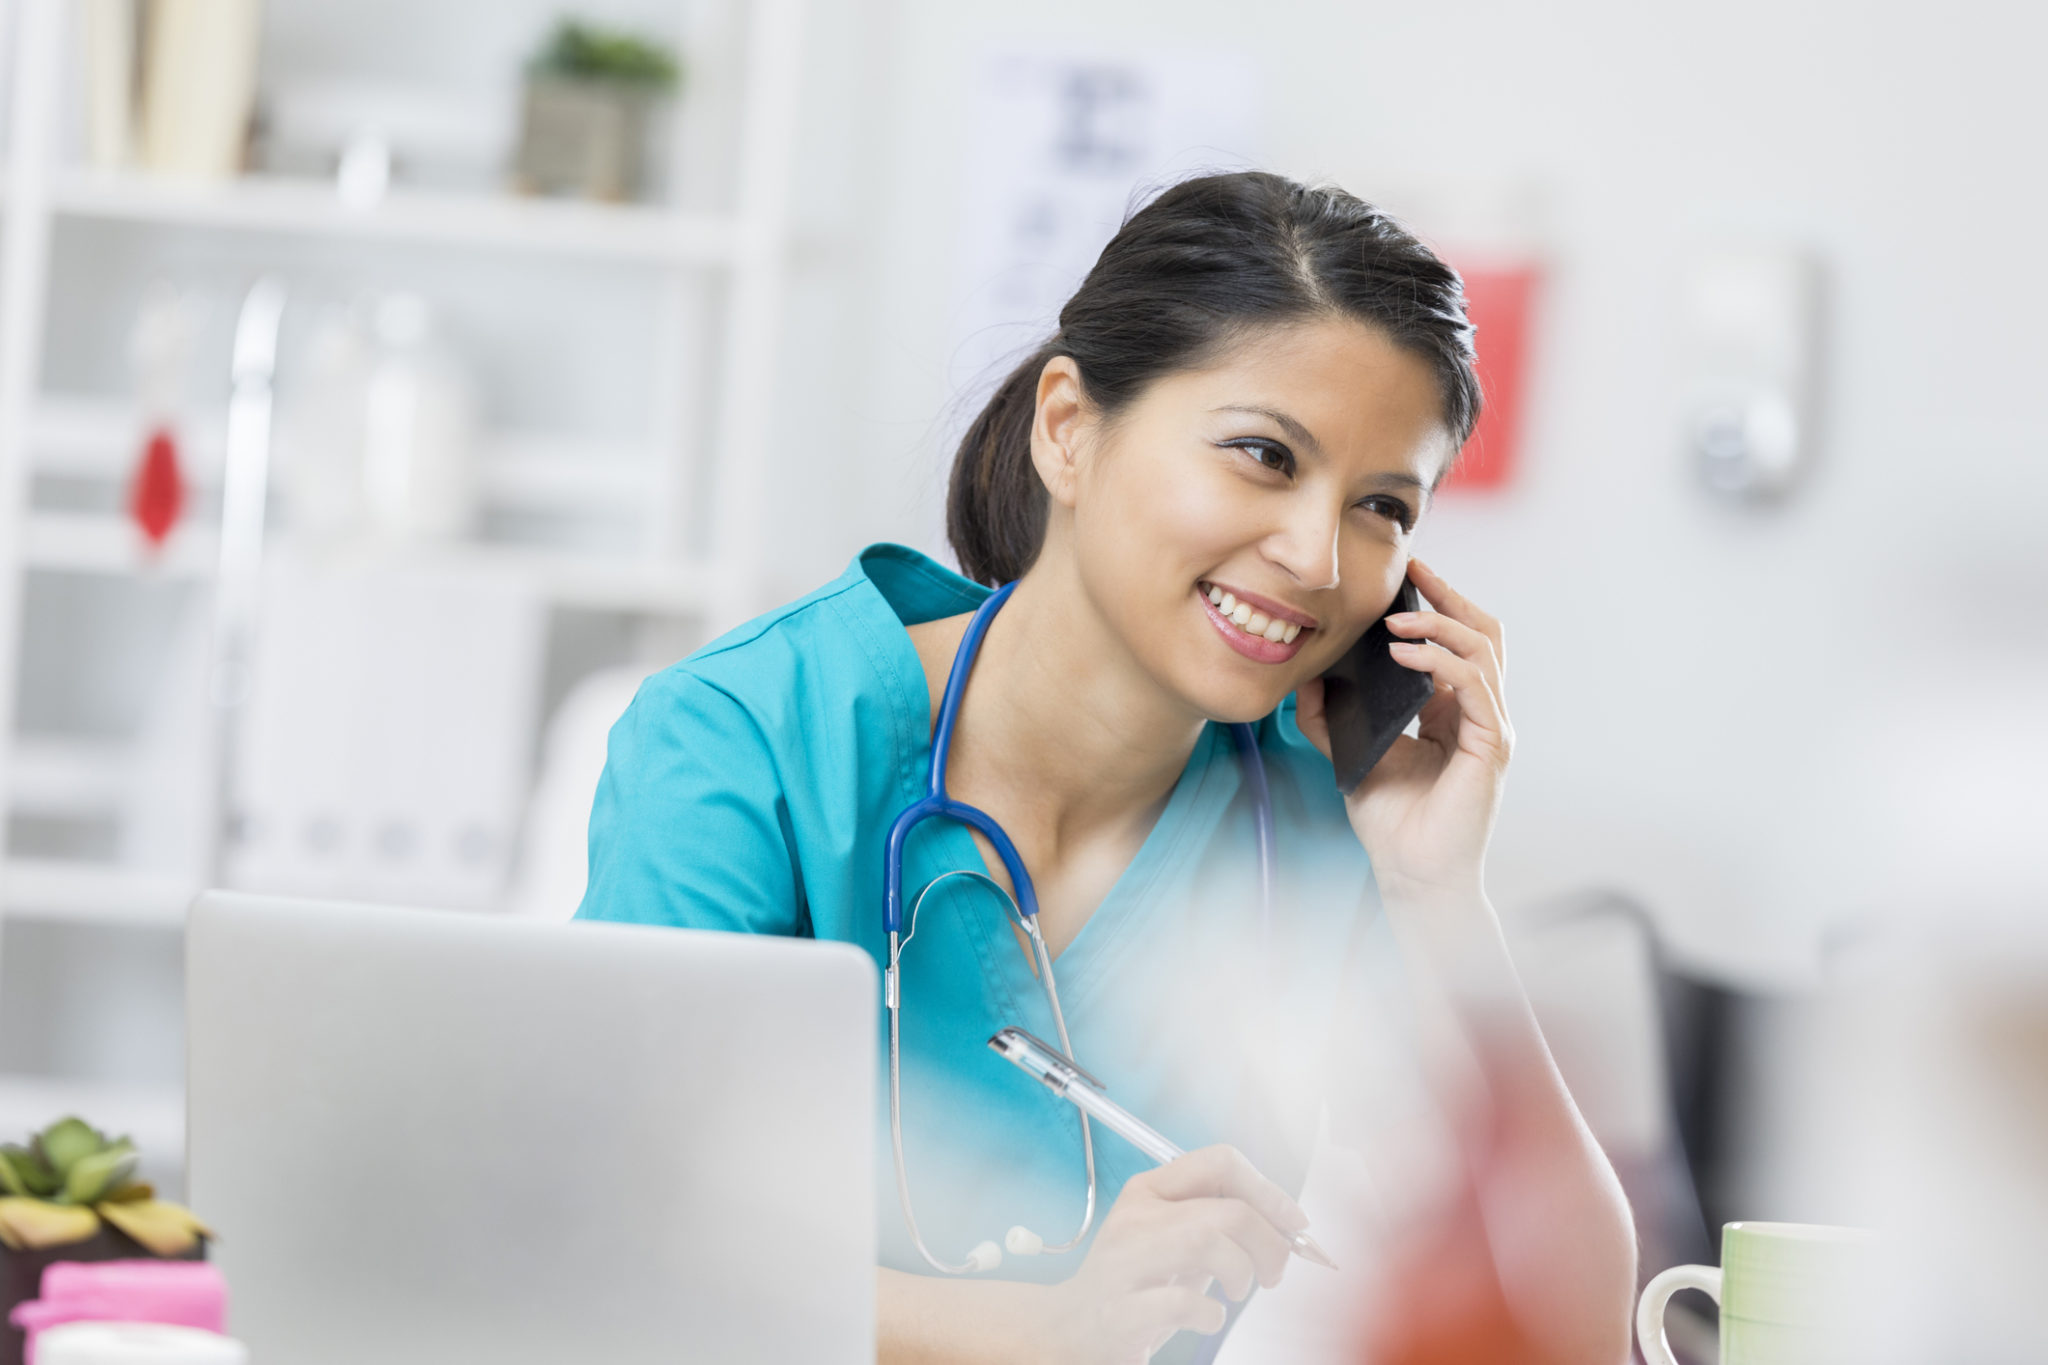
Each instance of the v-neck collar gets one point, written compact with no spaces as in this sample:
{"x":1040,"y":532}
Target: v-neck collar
{"x":913,"y":588}
{"x":1140,"y":894}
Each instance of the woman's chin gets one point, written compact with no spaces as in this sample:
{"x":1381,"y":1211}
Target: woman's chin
{"x":1244,"y":704}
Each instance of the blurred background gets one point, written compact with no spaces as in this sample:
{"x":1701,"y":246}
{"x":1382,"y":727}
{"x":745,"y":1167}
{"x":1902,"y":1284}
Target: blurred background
{"x":527,"y":347}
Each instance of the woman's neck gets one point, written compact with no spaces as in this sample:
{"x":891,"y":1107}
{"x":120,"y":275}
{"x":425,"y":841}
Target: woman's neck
{"x":1060,"y":733}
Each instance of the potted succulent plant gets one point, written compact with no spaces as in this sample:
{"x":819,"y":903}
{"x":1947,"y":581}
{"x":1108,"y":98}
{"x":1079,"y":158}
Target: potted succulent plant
{"x":70,"y":1194}
{"x":589,"y":95}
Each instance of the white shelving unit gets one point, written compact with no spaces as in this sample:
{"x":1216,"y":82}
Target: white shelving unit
{"x":718,"y":271}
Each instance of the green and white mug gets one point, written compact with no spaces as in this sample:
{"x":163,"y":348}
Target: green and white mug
{"x":1788,"y":1295}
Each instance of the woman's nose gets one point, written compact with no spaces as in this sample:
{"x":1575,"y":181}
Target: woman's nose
{"x":1305,"y":545}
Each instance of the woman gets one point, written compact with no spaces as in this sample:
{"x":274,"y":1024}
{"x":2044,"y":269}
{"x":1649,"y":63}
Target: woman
{"x":1247,"y":405}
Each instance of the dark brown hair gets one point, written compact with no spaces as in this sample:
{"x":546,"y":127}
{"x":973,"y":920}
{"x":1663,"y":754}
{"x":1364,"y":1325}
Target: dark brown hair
{"x":1186,"y":275}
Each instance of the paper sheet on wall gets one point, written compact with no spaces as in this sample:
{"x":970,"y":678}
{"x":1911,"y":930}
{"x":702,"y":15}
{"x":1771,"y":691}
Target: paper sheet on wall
{"x":1064,"y":144}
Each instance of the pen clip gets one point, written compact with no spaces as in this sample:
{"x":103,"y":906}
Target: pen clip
{"x":1075,"y":1072}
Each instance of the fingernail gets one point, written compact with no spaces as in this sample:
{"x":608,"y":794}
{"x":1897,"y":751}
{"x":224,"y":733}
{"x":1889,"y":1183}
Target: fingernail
{"x":1404,"y":618}
{"x":1403,"y":644}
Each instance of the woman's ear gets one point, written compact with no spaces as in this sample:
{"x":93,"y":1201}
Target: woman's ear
{"x":1059,"y":427}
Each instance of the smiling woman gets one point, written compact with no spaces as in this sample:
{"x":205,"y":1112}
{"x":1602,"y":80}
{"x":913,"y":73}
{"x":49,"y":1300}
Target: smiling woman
{"x":1199,"y":494}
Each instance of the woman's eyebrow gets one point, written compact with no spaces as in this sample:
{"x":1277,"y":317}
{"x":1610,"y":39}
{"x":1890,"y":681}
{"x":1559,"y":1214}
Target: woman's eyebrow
{"x":1295,"y":430}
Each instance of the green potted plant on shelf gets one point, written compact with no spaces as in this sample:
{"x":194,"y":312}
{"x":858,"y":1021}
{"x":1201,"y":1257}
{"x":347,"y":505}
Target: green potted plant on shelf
{"x":70,"y":1194}
{"x":590,"y":94}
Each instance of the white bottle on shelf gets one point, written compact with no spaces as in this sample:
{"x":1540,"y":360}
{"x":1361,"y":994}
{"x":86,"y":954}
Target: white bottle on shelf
{"x":419,"y":469}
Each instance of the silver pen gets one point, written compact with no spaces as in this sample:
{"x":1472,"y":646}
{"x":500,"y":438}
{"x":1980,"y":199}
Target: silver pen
{"x":1063,"y":1076}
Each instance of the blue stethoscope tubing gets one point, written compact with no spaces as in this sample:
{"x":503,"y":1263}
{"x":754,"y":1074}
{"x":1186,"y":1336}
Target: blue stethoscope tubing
{"x":937,"y":803}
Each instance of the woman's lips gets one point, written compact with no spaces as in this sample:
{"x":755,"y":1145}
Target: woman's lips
{"x":1254,"y":647}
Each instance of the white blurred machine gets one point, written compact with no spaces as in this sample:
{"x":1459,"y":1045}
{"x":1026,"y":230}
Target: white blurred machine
{"x":427,"y":1137}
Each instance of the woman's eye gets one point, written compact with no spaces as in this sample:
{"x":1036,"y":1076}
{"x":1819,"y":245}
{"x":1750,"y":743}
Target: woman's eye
{"x":1271,"y":454}
{"x":1394,"y":510}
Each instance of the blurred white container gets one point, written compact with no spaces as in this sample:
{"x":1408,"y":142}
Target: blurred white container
{"x":419,"y":467}
{"x":136,"y":1343}
{"x":320,"y":430}
{"x":377,"y":432}
{"x":198,"y":85}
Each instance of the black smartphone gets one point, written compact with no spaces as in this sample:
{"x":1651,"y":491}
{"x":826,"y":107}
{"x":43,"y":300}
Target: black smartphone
{"x":1370,"y":698}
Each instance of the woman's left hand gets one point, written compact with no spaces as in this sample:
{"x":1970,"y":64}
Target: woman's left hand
{"x":1426,"y":810}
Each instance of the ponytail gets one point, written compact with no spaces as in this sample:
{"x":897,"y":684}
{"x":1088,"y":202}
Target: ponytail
{"x":995,"y":503}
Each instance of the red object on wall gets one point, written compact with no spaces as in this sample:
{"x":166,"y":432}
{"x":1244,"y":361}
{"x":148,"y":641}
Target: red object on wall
{"x":156,"y":496}
{"x":1497,"y":300}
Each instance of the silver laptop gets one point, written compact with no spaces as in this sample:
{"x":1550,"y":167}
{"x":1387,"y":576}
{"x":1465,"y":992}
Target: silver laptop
{"x":427,"y":1138}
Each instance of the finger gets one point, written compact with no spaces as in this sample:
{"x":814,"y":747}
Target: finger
{"x":1166,"y":1309}
{"x":1309,"y":716}
{"x":1479,"y":711}
{"x":1225,"y":1260}
{"x":1467,"y":642}
{"x":1222,"y":1171}
{"x":1191,"y":1242}
{"x":1459,"y":607}
{"x":1264,"y":1247}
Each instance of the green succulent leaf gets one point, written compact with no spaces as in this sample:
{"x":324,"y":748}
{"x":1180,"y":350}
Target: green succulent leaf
{"x":34,"y":1174}
{"x":91,"y":1177}
{"x":67,"y":1142}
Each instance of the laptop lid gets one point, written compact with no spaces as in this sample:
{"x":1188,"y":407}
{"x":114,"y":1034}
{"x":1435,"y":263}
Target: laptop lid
{"x":426,"y":1136}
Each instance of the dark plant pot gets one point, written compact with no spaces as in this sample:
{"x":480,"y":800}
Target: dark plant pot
{"x":21,"y":1274}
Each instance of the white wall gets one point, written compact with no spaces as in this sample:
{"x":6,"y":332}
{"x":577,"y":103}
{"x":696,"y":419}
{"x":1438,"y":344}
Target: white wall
{"x":1762,"y":723}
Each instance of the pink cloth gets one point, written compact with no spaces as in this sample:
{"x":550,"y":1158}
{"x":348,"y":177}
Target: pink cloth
{"x":178,"y":1293}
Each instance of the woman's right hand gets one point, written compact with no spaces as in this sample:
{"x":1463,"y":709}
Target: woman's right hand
{"x":1206,"y":1217}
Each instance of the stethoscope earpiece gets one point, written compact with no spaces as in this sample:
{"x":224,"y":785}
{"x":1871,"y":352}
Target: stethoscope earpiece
{"x":1023,"y":1241}
{"x":985,"y":1256}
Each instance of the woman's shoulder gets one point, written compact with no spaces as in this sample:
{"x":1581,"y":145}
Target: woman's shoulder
{"x":840,"y":651}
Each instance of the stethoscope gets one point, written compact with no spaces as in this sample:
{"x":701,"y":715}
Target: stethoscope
{"x":1024,"y":911}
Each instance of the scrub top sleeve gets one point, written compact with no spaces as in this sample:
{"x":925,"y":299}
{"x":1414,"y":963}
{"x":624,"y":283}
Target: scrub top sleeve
{"x":691,"y":827}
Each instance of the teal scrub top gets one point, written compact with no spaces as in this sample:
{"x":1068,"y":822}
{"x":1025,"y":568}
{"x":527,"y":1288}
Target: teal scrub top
{"x":750,"y":788}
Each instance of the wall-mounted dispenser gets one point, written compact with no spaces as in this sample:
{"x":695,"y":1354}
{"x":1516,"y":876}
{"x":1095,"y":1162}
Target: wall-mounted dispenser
{"x":1751,"y":337}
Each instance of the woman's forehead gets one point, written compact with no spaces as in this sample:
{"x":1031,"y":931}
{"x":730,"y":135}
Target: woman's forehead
{"x":1335,"y":385}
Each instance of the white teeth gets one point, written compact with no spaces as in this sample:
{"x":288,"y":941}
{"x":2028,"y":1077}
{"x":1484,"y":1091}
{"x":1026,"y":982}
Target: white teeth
{"x":1251,"y":622}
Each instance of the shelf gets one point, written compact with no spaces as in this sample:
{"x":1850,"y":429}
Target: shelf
{"x":73,"y":542}
{"x":312,"y":208}
{"x":48,"y":776}
{"x":75,"y":436}
{"x":92,"y":893}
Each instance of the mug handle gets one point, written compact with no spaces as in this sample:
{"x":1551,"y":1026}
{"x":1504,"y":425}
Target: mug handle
{"x":1657,"y":1293}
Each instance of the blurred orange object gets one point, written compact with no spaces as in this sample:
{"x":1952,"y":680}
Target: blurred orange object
{"x":1465,"y":1282}
{"x":1498,"y":299}
{"x":1443,"y":1303}
{"x":156,"y":496}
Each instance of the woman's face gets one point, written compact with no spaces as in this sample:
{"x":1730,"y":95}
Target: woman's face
{"x":1290,"y":475}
